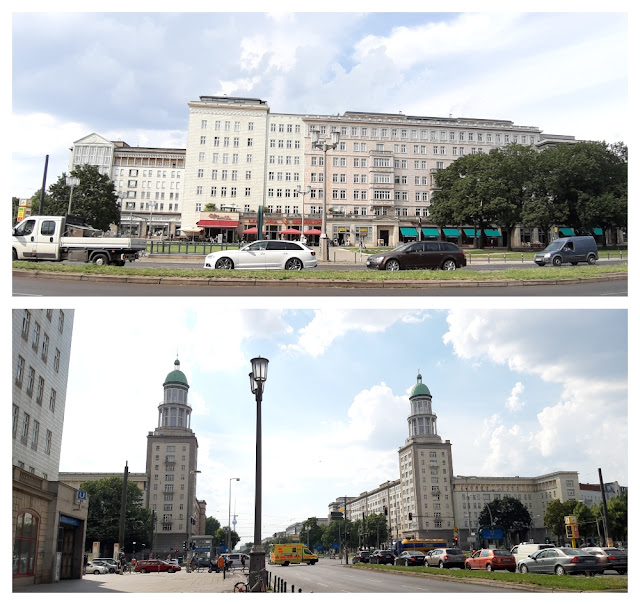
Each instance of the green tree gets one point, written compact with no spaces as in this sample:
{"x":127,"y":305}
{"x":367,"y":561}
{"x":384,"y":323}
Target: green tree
{"x":211,"y":524}
{"x":618,"y":520}
{"x":311,"y":532}
{"x":103,"y":516}
{"x":554,"y":517}
{"x":509,"y":514}
{"x":94,"y":198}
{"x":220,"y":537}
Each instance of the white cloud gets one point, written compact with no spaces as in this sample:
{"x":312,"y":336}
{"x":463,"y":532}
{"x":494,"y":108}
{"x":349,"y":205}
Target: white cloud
{"x":329,"y":325}
{"x":514,"y":403}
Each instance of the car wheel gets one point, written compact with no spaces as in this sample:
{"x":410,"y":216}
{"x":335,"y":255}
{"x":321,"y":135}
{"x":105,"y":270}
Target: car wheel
{"x":171,"y":570}
{"x":293,"y":264}
{"x":14,"y":254}
{"x":524,"y":569}
{"x":560,"y":571}
{"x":622,"y":572}
{"x":540,"y":264}
{"x":449,"y":265}
{"x":489,"y":567}
{"x":591,"y":259}
{"x":144,"y":570}
{"x":557,"y":261}
{"x":100,"y":259}
{"x":574,"y":264}
{"x":224,"y":263}
{"x":441,"y":565}
{"x":96,"y":572}
{"x":468,"y":566}
{"x":392,"y":265}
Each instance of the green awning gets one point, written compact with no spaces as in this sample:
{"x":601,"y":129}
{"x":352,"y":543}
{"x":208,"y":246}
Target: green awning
{"x":469,"y":232}
{"x":430,"y":232}
{"x":408,"y":231}
{"x":597,"y":231}
{"x":492,"y":233}
{"x":566,"y":231}
{"x":450,"y":232}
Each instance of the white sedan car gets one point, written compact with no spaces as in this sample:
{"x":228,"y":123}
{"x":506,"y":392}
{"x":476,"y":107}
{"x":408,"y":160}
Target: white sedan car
{"x":264,"y":254}
{"x":96,"y":568}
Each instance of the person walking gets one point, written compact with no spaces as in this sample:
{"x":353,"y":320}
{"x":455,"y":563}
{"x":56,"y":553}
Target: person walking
{"x":243,"y":560}
{"x":220,"y":564}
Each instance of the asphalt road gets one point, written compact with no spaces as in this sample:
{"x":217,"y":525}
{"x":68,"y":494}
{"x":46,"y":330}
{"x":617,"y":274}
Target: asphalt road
{"x":32,"y":286}
{"x":328,"y":575}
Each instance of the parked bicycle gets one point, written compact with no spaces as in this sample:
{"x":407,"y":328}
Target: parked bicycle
{"x":260,"y":584}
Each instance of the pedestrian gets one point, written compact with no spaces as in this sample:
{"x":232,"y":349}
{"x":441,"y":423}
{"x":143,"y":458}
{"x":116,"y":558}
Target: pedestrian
{"x":220,"y":564}
{"x":211,"y":565}
{"x":243,"y":560}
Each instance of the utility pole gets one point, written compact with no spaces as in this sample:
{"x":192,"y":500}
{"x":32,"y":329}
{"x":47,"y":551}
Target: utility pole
{"x":44,"y":184}
{"x":605,"y":514}
{"x":123,"y":506}
{"x":346,"y":545}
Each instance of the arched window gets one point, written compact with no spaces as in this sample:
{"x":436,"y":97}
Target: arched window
{"x":24,"y":546}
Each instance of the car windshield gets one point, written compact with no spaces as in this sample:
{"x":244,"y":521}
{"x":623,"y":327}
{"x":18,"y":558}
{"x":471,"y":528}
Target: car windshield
{"x":261,"y":245}
{"x":501,"y":552}
{"x":454,"y":551}
{"x":572,"y":551}
{"x":555,"y":245}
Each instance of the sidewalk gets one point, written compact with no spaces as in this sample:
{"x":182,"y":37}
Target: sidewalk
{"x":180,"y":581}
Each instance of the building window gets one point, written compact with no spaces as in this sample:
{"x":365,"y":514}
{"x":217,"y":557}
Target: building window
{"x":35,"y":432}
{"x":20,"y":371}
{"x":25,"y":428}
{"x":40,"y":392}
{"x":16,"y":414}
{"x":26,"y":321}
{"x":52,"y":401}
{"x":45,"y":348}
{"x":25,"y":544}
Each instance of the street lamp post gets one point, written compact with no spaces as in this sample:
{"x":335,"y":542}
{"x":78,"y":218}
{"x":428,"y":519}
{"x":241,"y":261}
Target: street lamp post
{"x":189,"y":511}
{"x":316,"y":143}
{"x":257,"y":379}
{"x":229,"y":526}
{"x":72,"y":181}
{"x":303,"y":239}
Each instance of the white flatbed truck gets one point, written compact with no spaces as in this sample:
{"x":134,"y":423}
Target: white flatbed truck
{"x":59,"y":238}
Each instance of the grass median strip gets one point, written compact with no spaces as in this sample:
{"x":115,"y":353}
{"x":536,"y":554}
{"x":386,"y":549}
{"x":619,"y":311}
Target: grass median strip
{"x":369,"y":276}
{"x":546,"y":581}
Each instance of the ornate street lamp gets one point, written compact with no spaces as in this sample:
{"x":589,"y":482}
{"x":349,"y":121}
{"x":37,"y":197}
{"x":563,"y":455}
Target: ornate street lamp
{"x":257,"y":379}
{"x":317,"y":143}
{"x":72,"y":181}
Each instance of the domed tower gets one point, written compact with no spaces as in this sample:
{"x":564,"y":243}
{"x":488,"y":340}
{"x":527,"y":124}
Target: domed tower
{"x":172,"y":463}
{"x":175,"y":411}
{"x":422,"y":420}
{"x":426,"y":474}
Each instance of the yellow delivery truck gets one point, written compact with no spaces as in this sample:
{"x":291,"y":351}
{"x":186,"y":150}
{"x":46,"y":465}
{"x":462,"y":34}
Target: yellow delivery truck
{"x":283,"y":554}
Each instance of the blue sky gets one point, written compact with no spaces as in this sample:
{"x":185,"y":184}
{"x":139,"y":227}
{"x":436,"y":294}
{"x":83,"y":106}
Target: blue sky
{"x":130,"y":75}
{"x":517,"y":392}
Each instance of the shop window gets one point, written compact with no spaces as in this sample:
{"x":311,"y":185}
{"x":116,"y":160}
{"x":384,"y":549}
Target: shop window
{"x":24,"y":546}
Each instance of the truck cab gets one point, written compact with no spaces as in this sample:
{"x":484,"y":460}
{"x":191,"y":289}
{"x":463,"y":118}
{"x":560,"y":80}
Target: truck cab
{"x":38,"y":238}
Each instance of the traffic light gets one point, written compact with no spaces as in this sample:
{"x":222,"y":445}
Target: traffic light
{"x":410,"y":516}
{"x":455,"y":540}
{"x":546,"y":540}
{"x":184,"y":545}
{"x":386,"y":511}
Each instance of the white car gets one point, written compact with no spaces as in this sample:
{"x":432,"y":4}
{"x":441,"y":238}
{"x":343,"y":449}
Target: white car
{"x":264,"y":254}
{"x":96,"y":568}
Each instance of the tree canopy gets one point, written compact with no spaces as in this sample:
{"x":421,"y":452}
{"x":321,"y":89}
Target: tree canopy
{"x":582,"y":185}
{"x":508,"y":513}
{"x":94,"y":198}
{"x":103,"y":518}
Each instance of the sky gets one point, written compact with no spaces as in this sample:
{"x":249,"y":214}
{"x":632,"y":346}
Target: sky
{"x":516,"y":391}
{"x":129,"y":75}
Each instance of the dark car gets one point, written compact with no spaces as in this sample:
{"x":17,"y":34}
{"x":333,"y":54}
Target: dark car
{"x":446,"y":557}
{"x":609,"y":557}
{"x":382,"y":557}
{"x":420,"y":255}
{"x":561,"y":561}
{"x":361,"y":556}
{"x":410,"y":558}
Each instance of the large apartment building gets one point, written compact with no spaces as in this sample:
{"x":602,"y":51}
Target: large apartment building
{"x":48,"y":519}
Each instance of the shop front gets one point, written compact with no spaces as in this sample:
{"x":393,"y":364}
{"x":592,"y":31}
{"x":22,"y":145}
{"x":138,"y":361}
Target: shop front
{"x":219,"y":227}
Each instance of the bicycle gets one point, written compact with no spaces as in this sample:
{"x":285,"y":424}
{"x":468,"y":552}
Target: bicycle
{"x":128,"y":568}
{"x":244,"y":586}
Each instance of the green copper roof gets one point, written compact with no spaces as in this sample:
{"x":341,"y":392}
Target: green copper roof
{"x":176,"y":375}
{"x":419,"y":388}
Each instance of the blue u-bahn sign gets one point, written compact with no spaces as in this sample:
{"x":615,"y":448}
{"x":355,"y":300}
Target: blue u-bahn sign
{"x":491,"y":534}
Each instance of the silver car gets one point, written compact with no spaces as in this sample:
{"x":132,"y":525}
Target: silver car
{"x":264,"y":254}
{"x":611,"y":558}
{"x":96,"y":568}
{"x":561,"y":561}
{"x":445,"y":557}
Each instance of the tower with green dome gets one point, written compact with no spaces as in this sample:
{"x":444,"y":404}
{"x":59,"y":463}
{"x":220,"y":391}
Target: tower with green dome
{"x":172,"y":462}
{"x":426,"y":473}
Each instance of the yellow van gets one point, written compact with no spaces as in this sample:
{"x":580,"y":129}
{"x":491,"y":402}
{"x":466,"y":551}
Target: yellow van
{"x":283,"y":554}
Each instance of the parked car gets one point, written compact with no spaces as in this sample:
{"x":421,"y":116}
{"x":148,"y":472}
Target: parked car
{"x":609,"y":557}
{"x":419,"y":255}
{"x":574,"y":250}
{"x":96,"y":568}
{"x":410,"y":558}
{"x":561,"y":561}
{"x":110,"y":564}
{"x":362,"y":556}
{"x":382,"y":557}
{"x":524,"y":549}
{"x":446,"y":557}
{"x":491,"y":559}
{"x":151,"y":565}
{"x":264,"y":254}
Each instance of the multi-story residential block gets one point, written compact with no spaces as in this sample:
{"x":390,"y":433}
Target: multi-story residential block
{"x":49,"y":521}
{"x":148,"y":180}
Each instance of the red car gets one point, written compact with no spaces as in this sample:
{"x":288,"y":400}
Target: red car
{"x":490,"y":559}
{"x":156,"y":565}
